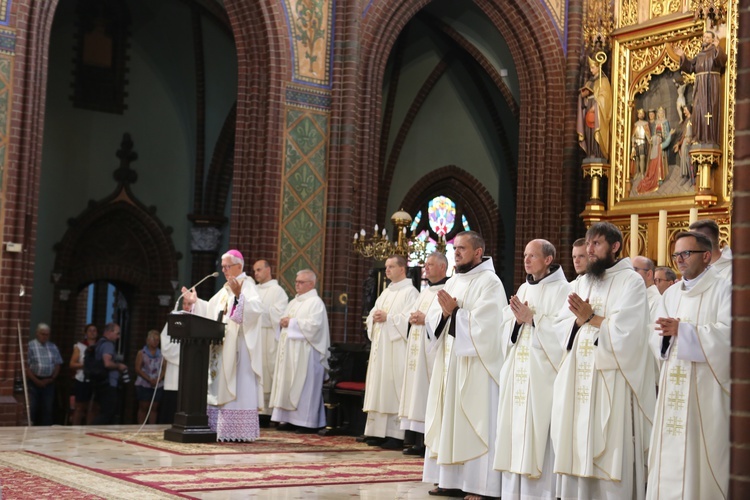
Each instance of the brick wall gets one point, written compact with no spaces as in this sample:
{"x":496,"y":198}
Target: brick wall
{"x":740,"y":416}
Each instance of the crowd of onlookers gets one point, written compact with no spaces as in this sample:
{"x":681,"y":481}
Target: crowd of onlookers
{"x":95,"y":395}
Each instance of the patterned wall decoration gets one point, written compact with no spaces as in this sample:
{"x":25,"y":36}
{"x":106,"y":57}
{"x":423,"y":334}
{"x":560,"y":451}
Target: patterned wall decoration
{"x":304,"y":185}
{"x":6,"y":87}
{"x":5,"y":12}
{"x":310,"y":24}
{"x":7,"y":41}
{"x":557,"y":10}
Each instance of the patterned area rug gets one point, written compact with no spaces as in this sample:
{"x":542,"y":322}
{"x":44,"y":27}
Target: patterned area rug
{"x":25,"y":475}
{"x":225,"y":477}
{"x":271,"y":441}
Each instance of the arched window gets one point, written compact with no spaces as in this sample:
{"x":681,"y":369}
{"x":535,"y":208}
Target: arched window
{"x":440,"y":220}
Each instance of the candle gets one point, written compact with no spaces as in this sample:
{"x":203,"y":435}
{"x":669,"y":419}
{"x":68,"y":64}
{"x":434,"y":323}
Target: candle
{"x":376,"y":229}
{"x":633,"y":235}
{"x":356,"y":236}
{"x":383,"y":232}
{"x":661,"y":253}
{"x":693,"y":215}
{"x":362,"y":233}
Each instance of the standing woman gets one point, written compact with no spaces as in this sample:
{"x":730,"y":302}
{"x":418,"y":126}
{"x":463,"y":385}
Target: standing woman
{"x":82,"y":389}
{"x":148,"y":366}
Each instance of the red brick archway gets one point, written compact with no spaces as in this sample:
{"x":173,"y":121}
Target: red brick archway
{"x":540,"y":63}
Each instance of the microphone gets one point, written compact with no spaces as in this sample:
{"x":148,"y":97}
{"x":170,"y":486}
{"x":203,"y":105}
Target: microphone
{"x":214,"y":274}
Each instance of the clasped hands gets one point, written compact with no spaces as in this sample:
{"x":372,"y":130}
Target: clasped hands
{"x":416,"y":318}
{"x":447,"y":303}
{"x":379,"y":316}
{"x":667,"y":327}
{"x":284,"y":323}
{"x":583,"y":311}
{"x":521,"y":311}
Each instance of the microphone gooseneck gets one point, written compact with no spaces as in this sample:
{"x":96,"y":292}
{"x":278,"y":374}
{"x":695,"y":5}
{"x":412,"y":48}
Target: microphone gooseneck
{"x":214,"y":274}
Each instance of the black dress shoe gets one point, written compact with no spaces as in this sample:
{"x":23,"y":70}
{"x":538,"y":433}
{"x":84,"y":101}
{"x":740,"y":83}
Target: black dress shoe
{"x":374,"y":441}
{"x":306,"y":430}
{"x":286,"y":426}
{"x":392,"y":444}
{"x":415,"y":451}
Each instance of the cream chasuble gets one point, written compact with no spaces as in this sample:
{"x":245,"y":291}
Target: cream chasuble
{"x":274,"y":300}
{"x":242,"y":332}
{"x":418,"y":368}
{"x":528,"y":375}
{"x":460,"y":417}
{"x":604,"y":393}
{"x":689,"y":456}
{"x":307,"y":332}
{"x":385,"y":369}
{"x":723,"y":266}
{"x":654,"y":298}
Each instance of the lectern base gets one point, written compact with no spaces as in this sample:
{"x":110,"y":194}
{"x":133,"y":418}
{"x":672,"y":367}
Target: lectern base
{"x":190,"y":435}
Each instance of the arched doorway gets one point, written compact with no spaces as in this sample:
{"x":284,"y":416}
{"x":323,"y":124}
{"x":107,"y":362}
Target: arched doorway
{"x":115,"y":263}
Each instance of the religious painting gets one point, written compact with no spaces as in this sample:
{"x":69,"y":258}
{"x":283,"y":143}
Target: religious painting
{"x":657,"y":90}
{"x":661,"y":135}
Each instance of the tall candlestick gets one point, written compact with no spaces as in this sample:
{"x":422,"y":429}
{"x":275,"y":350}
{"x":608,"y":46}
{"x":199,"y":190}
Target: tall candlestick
{"x":693,"y":215}
{"x":633,"y":235}
{"x":661,"y":253}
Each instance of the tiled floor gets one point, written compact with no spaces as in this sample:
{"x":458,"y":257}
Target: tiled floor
{"x":72,"y":444}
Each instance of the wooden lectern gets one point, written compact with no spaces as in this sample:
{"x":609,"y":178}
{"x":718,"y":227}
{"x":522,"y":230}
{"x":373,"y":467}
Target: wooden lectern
{"x":195,"y":335}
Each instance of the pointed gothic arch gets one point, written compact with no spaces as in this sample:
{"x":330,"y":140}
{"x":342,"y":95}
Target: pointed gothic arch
{"x":478,"y":205}
{"x":538,"y":56}
{"x":116,"y":240}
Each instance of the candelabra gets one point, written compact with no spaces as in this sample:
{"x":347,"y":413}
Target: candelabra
{"x":380,"y":247}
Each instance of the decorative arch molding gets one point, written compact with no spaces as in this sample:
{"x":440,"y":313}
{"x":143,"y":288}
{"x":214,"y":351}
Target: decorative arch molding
{"x":478,"y":205}
{"x":540,"y":62}
{"x":263,"y":68}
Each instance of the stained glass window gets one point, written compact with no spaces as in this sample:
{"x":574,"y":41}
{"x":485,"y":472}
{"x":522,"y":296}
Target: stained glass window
{"x":440,"y":223}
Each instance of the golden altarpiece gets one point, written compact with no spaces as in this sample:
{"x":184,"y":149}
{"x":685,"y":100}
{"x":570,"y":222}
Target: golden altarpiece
{"x":661,"y":166}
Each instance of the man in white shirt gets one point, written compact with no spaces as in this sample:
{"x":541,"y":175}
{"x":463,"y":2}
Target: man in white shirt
{"x":580,"y":257}
{"x":461,"y":419}
{"x":419,"y":360}
{"x":664,"y":277}
{"x":274,"y":300}
{"x":604,"y":392}
{"x":387,"y":325}
{"x":533,"y":352}
{"x":721,"y":258}
{"x":302,"y":360}
{"x":235,"y":392}
{"x":645,"y":267}
{"x":689,"y":455}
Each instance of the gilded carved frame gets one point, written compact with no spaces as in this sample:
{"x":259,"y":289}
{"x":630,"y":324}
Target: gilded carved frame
{"x":641,"y":52}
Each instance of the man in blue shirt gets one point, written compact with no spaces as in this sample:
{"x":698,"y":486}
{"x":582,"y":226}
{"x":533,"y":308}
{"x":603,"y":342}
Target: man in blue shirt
{"x":44,"y":366}
{"x":106,"y":392}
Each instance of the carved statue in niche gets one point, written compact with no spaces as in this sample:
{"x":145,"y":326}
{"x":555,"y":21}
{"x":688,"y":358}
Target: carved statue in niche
{"x":640,"y":144}
{"x":708,"y":66}
{"x":683,"y":143}
{"x":657,"y":168}
{"x":595,"y":112}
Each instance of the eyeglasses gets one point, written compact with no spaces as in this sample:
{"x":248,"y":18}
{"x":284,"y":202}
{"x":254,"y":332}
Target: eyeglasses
{"x":640,"y":269}
{"x":659,"y":280}
{"x":301,"y":282}
{"x":684,"y":255}
{"x":225,"y":268}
